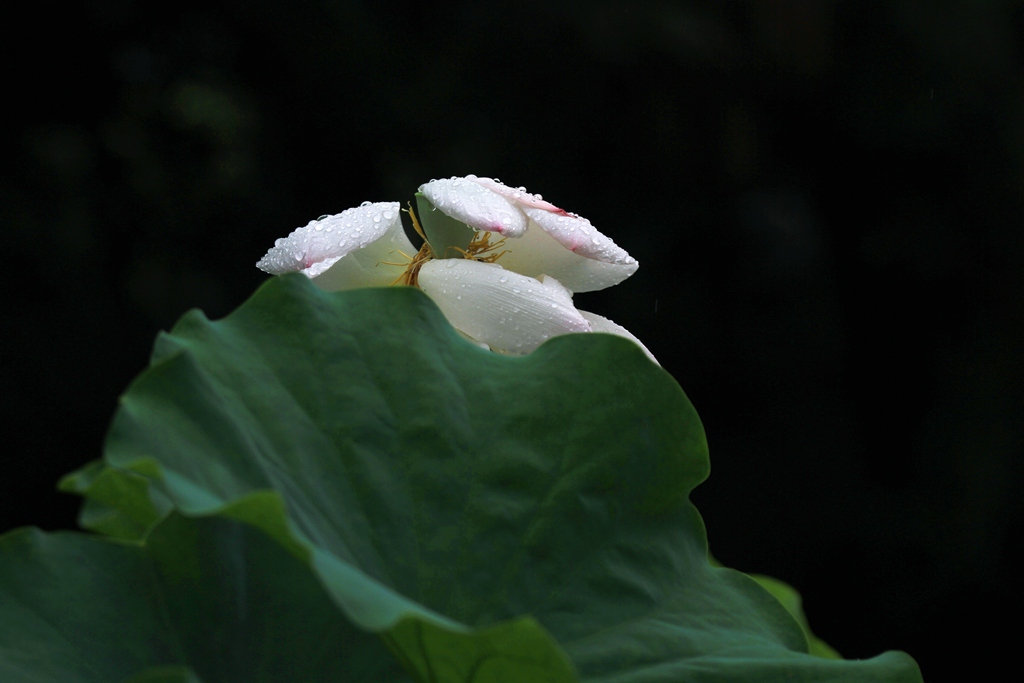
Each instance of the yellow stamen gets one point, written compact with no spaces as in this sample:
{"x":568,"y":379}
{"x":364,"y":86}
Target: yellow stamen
{"x":480,"y":245}
{"x":412,"y":269}
{"x":478,"y":249}
{"x":415,"y":222}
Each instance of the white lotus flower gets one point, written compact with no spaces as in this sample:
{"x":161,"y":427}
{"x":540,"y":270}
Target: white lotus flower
{"x":544,"y":239}
{"x":510,"y":296}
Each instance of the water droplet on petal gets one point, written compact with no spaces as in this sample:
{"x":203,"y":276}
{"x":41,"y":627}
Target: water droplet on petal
{"x":503,"y":278}
{"x":365,"y":204}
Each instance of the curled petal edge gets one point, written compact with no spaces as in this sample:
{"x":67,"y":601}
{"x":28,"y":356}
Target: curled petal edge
{"x":598,"y":323}
{"x":476,"y":206}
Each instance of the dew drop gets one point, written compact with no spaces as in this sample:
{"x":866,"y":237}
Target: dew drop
{"x":388,"y":215}
{"x":365,"y":204}
{"x":517,"y":290}
{"x":449,"y":263}
{"x":503,"y":278}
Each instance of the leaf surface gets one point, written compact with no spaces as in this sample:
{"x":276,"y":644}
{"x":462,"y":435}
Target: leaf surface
{"x":491,"y":518}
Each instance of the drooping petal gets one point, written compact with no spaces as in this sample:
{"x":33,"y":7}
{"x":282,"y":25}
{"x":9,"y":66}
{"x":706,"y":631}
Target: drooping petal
{"x":573,"y":232}
{"x":507,"y":311}
{"x":475,"y":205}
{"x":576,"y":234}
{"x":345,"y":250}
{"x":518,"y":195}
{"x":537,"y":253}
{"x":599,"y":323}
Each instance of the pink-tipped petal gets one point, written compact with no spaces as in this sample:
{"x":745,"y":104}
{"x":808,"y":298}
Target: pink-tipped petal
{"x":599,"y":323}
{"x":344,"y":250}
{"x":537,"y":253}
{"x":509,"y":312}
{"x":475,"y":205}
{"x":519,"y":195}
{"x":576,"y":234}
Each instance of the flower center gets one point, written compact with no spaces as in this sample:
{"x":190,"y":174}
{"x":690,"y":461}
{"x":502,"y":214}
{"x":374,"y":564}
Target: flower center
{"x":479,"y":248}
{"x":481,"y":245}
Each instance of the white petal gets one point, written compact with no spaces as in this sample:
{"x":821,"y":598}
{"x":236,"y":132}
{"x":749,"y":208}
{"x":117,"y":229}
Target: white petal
{"x":507,"y":311}
{"x":601,"y":324}
{"x":475,"y":205}
{"x":518,"y":195}
{"x":344,"y":250}
{"x":576,"y":234}
{"x":537,"y":253}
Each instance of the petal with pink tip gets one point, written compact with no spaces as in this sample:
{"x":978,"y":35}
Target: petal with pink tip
{"x":519,"y":195}
{"x":345,"y":250}
{"x":476,"y":206}
{"x":537,"y":253}
{"x":576,"y":234}
{"x":509,"y":312}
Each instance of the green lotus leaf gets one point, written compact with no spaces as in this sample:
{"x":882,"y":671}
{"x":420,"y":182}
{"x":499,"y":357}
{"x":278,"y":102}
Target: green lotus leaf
{"x":166,"y":674}
{"x":492,"y":518}
{"x":117,"y":503}
{"x":203,"y":600}
{"x":791,"y":600}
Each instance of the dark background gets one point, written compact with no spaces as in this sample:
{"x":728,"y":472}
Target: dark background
{"x":825,"y":198}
